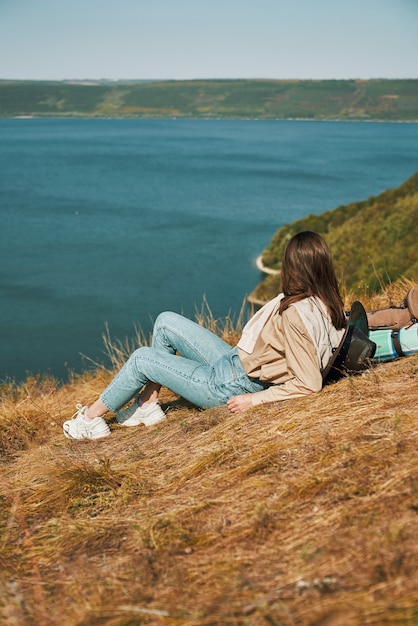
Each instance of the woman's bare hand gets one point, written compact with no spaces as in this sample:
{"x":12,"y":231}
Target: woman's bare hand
{"x":239,"y":404}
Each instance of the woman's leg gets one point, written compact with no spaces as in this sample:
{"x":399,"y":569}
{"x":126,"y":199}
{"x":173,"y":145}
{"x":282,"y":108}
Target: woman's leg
{"x":172,"y":333}
{"x":175,"y":333}
{"x":185,"y":377}
{"x":149,"y":395}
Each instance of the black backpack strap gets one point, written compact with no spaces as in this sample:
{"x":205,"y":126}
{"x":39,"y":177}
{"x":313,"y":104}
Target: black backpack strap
{"x":397,"y":343}
{"x":411,"y":303}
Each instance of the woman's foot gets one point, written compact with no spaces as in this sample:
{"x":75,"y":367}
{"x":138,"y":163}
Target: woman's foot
{"x":148,"y":414}
{"x":81,"y":427}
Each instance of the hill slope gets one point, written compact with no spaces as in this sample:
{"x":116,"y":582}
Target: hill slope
{"x":373,"y":242}
{"x":264,"y":99}
{"x":299,"y":513}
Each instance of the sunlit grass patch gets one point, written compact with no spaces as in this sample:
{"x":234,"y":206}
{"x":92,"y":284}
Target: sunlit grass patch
{"x":299,"y":512}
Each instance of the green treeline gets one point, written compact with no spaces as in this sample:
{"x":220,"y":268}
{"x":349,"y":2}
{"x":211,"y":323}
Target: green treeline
{"x":377,"y":99}
{"x":373,"y":242}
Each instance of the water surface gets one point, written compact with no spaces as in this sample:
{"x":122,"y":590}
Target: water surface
{"x":113,"y":221}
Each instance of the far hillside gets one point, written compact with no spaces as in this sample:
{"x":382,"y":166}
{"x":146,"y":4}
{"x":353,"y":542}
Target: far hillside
{"x":378,"y":99}
{"x":373,"y":242}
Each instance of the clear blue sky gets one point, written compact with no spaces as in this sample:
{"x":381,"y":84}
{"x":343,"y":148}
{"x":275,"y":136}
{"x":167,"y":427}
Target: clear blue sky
{"x":185,"y":39}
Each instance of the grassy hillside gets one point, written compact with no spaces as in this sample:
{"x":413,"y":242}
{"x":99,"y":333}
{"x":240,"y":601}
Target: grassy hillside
{"x":265,"y":99}
{"x":373,"y":242}
{"x":300,"y":513}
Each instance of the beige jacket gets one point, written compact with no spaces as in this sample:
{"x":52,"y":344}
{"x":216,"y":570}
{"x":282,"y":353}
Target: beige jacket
{"x":291,"y":350}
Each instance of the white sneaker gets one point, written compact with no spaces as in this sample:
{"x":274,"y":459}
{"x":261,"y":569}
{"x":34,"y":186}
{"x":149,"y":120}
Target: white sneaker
{"x":81,"y":428}
{"x":135,"y":415}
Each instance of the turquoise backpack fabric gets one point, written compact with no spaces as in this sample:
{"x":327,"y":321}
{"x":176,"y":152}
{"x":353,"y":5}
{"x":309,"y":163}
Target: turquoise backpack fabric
{"x":392,"y":344}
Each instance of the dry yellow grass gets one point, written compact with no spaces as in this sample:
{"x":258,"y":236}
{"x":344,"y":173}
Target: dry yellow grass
{"x":300,"y":513}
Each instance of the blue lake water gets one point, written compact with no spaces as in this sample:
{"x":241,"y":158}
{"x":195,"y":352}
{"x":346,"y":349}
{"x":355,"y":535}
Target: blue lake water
{"x":113,"y":221}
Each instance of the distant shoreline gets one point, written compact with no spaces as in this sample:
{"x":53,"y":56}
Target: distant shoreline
{"x":266,"y":270}
{"x":206,"y":119}
{"x":381,"y":100}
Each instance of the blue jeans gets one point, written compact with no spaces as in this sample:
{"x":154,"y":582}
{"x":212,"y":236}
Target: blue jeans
{"x":207,"y":373}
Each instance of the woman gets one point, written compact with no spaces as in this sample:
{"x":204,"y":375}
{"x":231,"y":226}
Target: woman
{"x":281,"y":354}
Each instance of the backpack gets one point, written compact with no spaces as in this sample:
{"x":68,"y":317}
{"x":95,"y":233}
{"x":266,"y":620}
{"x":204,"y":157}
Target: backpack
{"x":396,"y":317}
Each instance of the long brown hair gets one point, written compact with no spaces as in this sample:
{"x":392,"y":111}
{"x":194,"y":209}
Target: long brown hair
{"x":308,"y":270}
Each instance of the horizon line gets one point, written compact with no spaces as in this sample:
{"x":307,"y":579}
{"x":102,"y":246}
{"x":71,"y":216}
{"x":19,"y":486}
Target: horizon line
{"x":115,"y":80}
